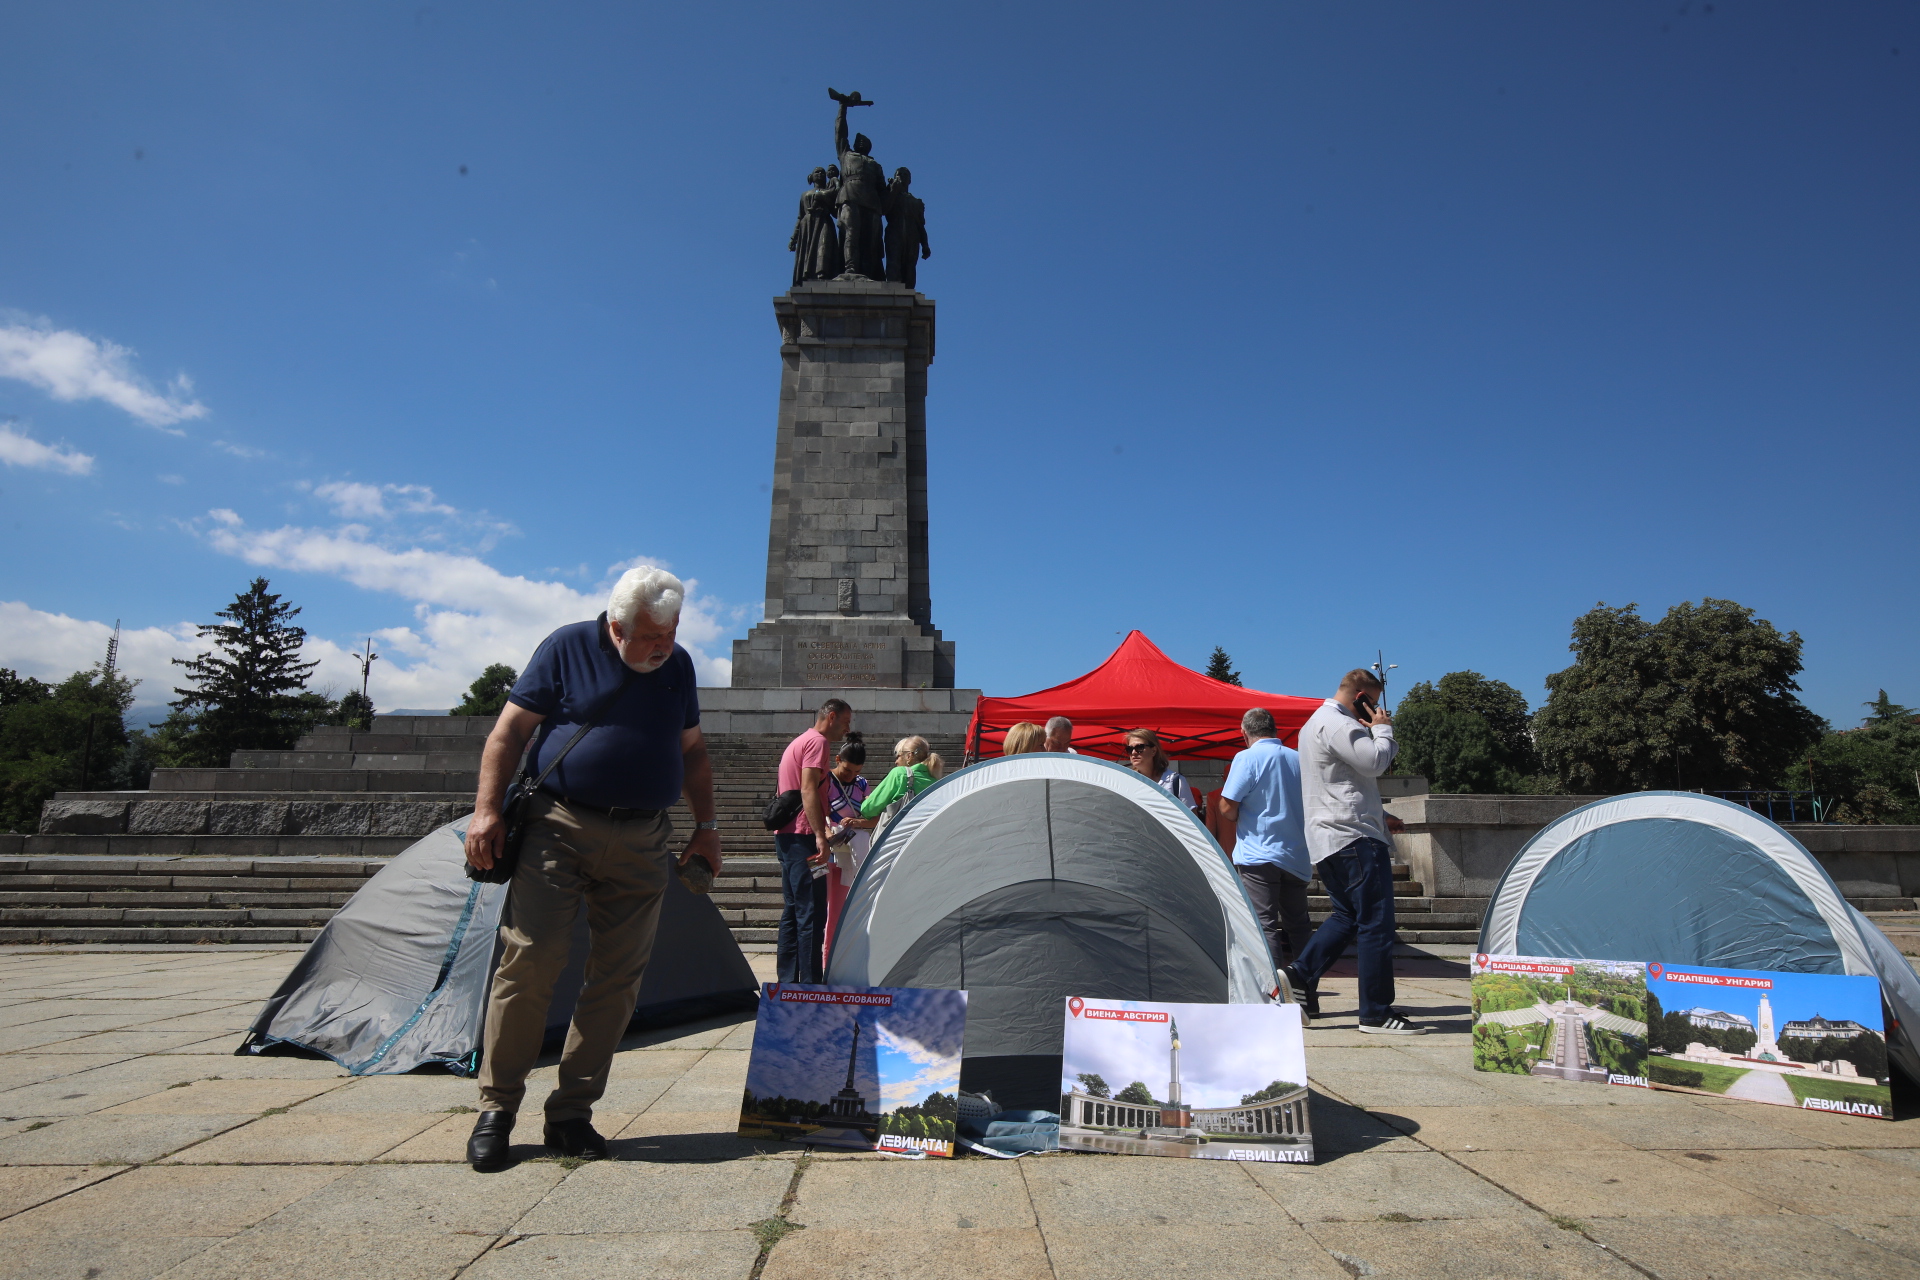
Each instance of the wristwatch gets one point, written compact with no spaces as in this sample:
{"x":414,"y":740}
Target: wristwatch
{"x":707,"y":826}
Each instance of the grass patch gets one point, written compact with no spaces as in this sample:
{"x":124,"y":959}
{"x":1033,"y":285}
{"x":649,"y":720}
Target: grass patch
{"x":1566,"y":1224}
{"x":459,"y":1111}
{"x":1836,"y":1089}
{"x":771,"y":1231}
{"x":274,"y":1111}
{"x":1397,"y":1217}
{"x":181,"y":1084}
{"x":1713,"y":1078}
{"x":37,"y":1124}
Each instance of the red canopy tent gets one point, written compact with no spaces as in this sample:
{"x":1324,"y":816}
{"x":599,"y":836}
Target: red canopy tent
{"x":1139,"y":687}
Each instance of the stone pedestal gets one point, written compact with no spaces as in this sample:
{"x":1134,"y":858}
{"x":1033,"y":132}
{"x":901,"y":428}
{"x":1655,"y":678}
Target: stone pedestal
{"x":848,"y":603}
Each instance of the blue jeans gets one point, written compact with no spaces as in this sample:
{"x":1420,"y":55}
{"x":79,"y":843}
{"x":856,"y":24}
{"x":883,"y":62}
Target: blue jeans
{"x":1359,"y":879}
{"x":803,"y":911}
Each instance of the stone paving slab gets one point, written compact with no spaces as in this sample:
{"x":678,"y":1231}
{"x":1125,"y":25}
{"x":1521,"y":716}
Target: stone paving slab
{"x":133,"y":1144}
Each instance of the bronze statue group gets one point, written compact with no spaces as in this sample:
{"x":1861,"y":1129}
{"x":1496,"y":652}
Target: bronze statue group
{"x":854,"y":224}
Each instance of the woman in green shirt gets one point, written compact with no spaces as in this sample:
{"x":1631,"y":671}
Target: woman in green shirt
{"x":910,"y":776}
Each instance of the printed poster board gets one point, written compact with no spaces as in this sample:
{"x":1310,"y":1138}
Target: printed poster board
{"x":868,"y":1068}
{"x":1816,"y":1041}
{"x":1578,"y":1020}
{"x":1204,"y":1081}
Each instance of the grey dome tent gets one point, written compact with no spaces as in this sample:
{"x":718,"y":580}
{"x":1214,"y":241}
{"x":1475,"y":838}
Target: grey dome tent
{"x":398,"y":977}
{"x":1679,"y":877}
{"x":1027,"y":879}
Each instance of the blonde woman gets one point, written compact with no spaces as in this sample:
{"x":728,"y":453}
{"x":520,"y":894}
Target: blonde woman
{"x":1145,"y":757}
{"x":909,"y":776}
{"x":1022,"y":738}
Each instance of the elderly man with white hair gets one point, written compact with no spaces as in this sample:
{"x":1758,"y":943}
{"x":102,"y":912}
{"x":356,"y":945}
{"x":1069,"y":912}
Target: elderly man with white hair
{"x":1059,"y":736}
{"x":598,"y":833}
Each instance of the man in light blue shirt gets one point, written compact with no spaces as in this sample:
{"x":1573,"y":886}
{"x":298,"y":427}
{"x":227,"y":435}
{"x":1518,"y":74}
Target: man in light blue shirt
{"x":1261,"y":799}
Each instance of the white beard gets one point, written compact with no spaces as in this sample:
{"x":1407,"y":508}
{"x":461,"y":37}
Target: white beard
{"x":649,"y":667}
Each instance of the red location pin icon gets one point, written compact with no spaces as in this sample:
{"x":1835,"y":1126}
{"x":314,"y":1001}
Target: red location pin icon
{"x":1075,"y":1004}
{"x":1656,"y":970}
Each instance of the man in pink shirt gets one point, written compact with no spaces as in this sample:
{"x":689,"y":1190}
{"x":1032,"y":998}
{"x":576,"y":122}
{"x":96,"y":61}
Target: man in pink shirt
{"x":802,"y":843}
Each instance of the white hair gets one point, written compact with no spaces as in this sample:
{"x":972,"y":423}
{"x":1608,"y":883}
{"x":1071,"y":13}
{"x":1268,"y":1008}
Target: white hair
{"x":1058,"y":723}
{"x":656,"y":591}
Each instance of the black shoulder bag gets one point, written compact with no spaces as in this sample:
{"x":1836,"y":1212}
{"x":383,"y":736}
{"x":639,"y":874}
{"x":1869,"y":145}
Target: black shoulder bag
{"x":514,"y":810}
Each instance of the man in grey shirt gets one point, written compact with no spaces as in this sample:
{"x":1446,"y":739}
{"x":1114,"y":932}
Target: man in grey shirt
{"x":1344,"y":748}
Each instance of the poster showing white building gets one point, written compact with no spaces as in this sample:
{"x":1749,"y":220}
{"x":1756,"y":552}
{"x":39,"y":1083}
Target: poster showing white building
{"x":1203,"y":1081}
{"x":1565,"y":1019}
{"x":861,"y":1067}
{"x":1816,"y":1041}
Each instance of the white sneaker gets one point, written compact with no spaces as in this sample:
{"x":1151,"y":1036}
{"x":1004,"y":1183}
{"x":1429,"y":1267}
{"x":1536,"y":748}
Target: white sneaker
{"x":1395,"y":1025}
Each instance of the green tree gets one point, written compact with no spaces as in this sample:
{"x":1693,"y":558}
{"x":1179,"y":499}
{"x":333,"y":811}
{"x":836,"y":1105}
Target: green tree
{"x":1499,"y":704}
{"x":488,"y":695}
{"x":1870,"y":774}
{"x":1454,"y":751}
{"x":1095,"y":1083}
{"x":1703,"y":698}
{"x":250,"y":692}
{"x":1279,"y":1088}
{"x":1137,"y":1094}
{"x":1886,"y":711}
{"x":44,"y":739}
{"x":354,"y":711}
{"x":1220,"y":667}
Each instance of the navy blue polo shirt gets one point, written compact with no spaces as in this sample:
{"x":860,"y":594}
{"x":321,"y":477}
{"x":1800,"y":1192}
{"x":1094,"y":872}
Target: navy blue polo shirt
{"x":632,"y":757}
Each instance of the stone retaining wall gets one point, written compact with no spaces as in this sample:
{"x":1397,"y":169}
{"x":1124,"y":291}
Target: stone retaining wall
{"x":1459,"y":846}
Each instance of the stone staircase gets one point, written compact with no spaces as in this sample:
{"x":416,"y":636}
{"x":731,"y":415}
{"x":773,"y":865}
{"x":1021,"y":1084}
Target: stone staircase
{"x":266,"y":849}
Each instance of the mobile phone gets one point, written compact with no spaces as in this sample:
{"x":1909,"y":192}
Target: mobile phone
{"x":1363,"y":707}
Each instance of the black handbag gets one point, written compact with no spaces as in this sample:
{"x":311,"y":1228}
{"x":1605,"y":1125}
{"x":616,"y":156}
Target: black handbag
{"x":781,"y":810}
{"x":516,"y":809}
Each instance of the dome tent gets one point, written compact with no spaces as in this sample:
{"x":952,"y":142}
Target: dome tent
{"x":1678,"y":877}
{"x":1027,"y":879}
{"x":398,"y":978}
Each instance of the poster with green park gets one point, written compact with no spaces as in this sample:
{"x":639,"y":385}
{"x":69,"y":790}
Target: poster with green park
{"x":1579,"y":1020}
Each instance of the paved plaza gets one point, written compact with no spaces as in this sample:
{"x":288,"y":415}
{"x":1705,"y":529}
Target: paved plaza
{"x":134,"y":1144}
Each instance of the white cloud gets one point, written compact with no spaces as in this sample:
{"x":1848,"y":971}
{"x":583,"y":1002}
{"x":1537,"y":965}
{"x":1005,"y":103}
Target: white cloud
{"x":17,"y":450}
{"x":239,"y":450}
{"x":466,"y":613}
{"x":71,"y":366}
{"x":52,"y":646}
{"x":171,"y":478}
{"x":353,"y":501}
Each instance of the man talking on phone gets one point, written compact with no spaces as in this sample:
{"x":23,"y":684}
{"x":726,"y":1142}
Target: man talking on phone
{"x":1344,"y":748}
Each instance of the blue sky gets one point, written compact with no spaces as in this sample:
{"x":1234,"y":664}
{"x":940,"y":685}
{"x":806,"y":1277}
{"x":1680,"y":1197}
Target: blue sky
{"x":1794,"y":996}
{"x":907,"y":1051}
{"x":1305,"y":330}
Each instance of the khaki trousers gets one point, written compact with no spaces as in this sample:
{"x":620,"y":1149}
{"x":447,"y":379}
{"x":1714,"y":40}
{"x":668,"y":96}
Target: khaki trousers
{"x":621,"y":869}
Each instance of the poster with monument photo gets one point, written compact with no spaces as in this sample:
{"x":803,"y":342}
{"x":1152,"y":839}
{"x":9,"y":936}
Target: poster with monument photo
{"x":869,"y":1068}
{"x":1816,"y":1041}
{"x":1579,"y":1020}
{"x":1204,"y":1081}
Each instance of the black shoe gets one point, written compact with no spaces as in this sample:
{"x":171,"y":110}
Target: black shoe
{"x":487,"y":1148}
{"x":575,"y":1138}
{"x":1309,"y":999}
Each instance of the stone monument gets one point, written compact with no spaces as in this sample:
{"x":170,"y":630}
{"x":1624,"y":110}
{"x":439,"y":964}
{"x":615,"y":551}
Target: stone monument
{"x":848,"y":604}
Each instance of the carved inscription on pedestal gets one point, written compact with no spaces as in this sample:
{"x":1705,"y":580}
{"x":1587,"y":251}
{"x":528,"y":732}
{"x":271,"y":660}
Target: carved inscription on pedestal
{"x":835,"y":663}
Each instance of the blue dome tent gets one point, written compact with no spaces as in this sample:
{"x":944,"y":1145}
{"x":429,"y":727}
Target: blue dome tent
{"x":1679,"y":877}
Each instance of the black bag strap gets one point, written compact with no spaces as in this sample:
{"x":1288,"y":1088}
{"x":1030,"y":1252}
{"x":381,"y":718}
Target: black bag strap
{"x":601,"y":708}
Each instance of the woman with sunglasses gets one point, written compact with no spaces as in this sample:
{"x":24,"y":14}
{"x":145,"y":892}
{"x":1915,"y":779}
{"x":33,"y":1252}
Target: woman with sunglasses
{"x":1145,"y":757}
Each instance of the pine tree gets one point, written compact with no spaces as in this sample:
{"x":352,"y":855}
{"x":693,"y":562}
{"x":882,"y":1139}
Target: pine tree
{"x":250,"y":692}
{"x":487,"y":696}
{"x":1220,"y":667}
{"x":355,"y":710}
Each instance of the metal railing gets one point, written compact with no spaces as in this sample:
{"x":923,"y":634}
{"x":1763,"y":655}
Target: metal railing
{"x":1781,"y":806}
